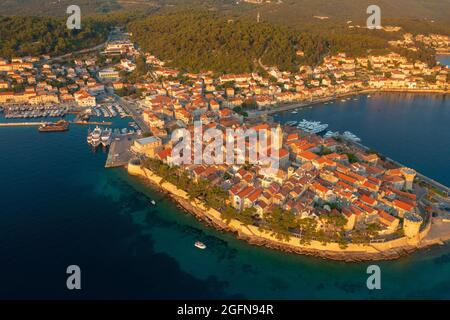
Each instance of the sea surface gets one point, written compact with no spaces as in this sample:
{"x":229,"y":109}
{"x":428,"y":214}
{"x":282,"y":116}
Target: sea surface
{"x":61,"y":207}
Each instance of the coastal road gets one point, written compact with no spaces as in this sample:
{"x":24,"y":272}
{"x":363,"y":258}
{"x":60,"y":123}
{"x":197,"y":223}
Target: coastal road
{"x":132,"y":110}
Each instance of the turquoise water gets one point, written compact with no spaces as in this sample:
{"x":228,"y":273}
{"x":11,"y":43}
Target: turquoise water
{"x":59,"y":206}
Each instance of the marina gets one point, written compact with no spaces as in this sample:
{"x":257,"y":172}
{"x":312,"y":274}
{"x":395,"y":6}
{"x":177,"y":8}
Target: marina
{"x":37,"y":111}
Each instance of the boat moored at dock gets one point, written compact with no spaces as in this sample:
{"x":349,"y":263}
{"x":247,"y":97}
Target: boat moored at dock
{"x":58,"y":126}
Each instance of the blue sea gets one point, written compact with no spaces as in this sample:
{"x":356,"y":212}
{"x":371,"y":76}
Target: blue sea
{"x":61,"y":207}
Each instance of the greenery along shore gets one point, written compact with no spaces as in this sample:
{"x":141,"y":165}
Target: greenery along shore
{"x":278,"y":222}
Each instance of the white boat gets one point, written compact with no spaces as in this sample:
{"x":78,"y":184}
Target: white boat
{"x":200,"y":245}
{"x":331,"y":134}
{"x":294,"y":112}
{"x":105,"y":137}
{"x":312,"y":126}
{"x":96,"y":135}
{"x":350,"y":136}
{"x":89,"y":137}
{"x":291,"y":123}
{"x":152,"y":202}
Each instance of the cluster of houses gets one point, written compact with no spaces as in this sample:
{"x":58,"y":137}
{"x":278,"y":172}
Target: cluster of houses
{"x":441,"y":43}
{"x":315,"y":176}
{"x":337,"y":75}
{"x":32,"y":80}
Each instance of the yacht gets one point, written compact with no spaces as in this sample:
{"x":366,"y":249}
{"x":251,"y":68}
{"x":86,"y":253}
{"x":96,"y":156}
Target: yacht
{"x":200,"y":245}
{"x":331,"y":134}
{"x":106,"y":137}
{"x":291,"y":123}
{"x":89,"y":137}
{"x":312,"y":126}
{"x":153,"y":202}
{"x":96,"y":134}
{"x":350,"y":136}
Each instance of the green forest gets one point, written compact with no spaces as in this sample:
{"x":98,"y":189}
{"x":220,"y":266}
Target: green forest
{"x":200,"y":41}
{"x":21,"y":36}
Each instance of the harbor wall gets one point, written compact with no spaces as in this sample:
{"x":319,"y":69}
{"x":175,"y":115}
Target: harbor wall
{"x":388,"y":250}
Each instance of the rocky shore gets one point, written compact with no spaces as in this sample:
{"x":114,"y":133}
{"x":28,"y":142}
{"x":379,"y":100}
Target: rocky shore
{"x":353,"y":253}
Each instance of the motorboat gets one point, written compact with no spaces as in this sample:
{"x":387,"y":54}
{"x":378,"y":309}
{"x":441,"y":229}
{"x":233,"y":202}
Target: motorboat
{"x":200,"y":245}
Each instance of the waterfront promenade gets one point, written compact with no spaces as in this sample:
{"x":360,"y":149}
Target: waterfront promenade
{"x":294,"y":105}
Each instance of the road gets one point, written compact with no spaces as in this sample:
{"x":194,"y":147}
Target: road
{"x":131,"y":109}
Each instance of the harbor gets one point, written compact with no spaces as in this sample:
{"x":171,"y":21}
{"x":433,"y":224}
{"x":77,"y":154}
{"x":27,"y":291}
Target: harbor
{"x":119,"y":151}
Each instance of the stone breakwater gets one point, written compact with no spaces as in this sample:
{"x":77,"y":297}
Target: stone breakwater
{"x":387,"y":250}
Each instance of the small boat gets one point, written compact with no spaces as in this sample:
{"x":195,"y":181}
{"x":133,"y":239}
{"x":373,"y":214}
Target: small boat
{"x":294,"y":112}
{"x":200,"y":245}
{"x":153,"y":202}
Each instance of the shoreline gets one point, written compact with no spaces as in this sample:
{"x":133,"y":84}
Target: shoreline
{"x":282,"y":107}
{"x":389,"y":250}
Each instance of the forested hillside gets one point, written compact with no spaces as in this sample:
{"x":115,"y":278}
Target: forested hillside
{"x":21,"y":36}
{"x":200,"y":40}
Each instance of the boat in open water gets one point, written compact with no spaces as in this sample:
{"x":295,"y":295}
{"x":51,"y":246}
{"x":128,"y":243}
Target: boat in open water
{"x":200,"y":245}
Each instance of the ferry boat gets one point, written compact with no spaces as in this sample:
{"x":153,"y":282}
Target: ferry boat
{"x":89,"y":137}
{"x":200,"y":245}
{"x":60,"y":125}
{"x":96,"y":134}
{"x":105,"y":137}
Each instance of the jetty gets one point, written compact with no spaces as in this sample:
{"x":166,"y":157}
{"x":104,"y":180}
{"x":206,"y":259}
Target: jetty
{"x":29,"y":124}
{"x":21,"y":124}
{"x":119,"y":151}
{"x":99,"y":123}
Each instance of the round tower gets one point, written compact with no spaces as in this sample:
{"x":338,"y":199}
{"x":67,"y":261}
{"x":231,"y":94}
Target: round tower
{"x":411,"y":224}
{"x":134,"y":167}
{"x":409,"y":175}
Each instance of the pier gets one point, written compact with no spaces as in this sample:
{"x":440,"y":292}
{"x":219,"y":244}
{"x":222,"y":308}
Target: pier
{"x":21,"y":124}
{"x":35,"y":124}
{"x":119,"y":151}
{"x":100,"y":123}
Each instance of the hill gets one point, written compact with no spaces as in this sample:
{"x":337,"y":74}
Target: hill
{"x":21,"y":36}
{"x":202,"y":40}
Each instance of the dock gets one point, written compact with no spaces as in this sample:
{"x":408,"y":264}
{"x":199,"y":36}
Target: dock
{"x":99,"y":123}
{"x":21,"y":124}
{"x":119,"y":151}
{"x":29,"y":124}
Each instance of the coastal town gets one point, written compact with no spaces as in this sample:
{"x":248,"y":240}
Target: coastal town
{"x":327,"y":188}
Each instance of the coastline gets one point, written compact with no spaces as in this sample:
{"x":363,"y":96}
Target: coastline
{"x":388,"y":250}
{"x":281,"y":107}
